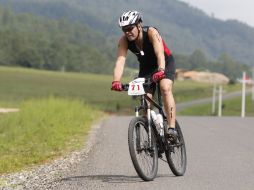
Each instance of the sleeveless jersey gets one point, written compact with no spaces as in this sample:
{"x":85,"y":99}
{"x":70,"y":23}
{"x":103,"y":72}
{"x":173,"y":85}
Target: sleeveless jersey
{"x":147,"y":59}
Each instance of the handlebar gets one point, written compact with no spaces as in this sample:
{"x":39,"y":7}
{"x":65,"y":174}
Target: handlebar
{"x":125,"y":87}
{"x":148,"y":82}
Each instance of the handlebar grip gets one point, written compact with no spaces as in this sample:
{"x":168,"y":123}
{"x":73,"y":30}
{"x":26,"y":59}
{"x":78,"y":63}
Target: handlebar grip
{"x":148,"y":82}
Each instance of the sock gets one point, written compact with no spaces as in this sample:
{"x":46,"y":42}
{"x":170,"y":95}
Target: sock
{"x":172,"y":127}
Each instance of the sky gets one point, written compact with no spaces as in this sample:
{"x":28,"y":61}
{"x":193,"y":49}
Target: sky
{"x":241,"y":10}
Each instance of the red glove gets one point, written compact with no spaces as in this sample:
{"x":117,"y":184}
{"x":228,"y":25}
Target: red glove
{"x":117,"y":86}
{"x":158,"y":76}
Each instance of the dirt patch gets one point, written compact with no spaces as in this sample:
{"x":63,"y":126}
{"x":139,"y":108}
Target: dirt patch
{"x":8,"y":110}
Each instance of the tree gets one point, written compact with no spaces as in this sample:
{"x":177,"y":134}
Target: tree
{"x":197,"y":60}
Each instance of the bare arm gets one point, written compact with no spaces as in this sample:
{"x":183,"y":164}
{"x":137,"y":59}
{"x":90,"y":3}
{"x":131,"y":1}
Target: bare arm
{"x":120,"y":61}
{"x":156,"y":40}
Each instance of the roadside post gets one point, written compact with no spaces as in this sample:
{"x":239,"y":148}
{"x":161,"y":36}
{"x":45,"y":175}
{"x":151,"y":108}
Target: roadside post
{"x":217,"y":92}
{"x":246,"y":80}
{"x":220,"y":102}
{"x":243,"y":94}
{"x":214,"y":98}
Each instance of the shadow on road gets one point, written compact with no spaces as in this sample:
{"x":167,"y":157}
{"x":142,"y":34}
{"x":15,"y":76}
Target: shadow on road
{"x":106,"y":178}
{"x":111,"y":178}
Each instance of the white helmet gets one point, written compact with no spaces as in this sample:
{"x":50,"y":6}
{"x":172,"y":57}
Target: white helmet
{"x":129,"y":18}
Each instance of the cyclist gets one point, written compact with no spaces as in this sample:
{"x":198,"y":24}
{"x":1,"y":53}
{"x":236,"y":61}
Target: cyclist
{"x":155,"y":61}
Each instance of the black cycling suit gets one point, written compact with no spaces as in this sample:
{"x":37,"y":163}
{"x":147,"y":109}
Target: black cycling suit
{"x":148,"y":60}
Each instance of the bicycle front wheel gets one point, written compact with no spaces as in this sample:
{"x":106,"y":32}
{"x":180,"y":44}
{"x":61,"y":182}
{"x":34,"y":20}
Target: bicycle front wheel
{"x":143,"y":156}
{"x":176,"y":154}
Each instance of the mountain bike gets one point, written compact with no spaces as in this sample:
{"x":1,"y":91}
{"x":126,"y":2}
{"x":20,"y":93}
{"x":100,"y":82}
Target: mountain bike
{"x":146,"y":141}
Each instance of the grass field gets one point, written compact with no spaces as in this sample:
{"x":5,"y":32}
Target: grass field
{"x":41,"y":130}
{"x":232,"y":107}
{"x":18,"y":84}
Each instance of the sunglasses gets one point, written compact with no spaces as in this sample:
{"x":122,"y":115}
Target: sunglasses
{"x":128,"y":28}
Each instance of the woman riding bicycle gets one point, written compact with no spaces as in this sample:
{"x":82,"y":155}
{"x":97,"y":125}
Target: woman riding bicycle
{"x":155,"y":61}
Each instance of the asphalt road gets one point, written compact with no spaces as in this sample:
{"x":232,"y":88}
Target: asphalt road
{"x":220,"y":153}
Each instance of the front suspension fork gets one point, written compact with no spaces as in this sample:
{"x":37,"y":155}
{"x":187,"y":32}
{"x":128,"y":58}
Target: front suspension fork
{"x":148,"y":115}
{"x":149,"y":127}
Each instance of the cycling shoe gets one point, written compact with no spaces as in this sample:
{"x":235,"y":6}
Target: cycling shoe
{"x":172,"y":135}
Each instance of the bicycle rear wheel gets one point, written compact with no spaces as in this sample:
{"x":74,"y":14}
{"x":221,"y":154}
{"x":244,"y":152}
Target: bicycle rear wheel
{"x":176,"y":154}
{"x":144,"y":158}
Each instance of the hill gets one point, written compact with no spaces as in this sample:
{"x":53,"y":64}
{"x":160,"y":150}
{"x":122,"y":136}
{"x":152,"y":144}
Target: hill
{"x":37,"y":42}
{"x":184,"y":27}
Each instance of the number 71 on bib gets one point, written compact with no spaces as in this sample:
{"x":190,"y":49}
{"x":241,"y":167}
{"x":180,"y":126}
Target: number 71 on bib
{"x":136,"y":87}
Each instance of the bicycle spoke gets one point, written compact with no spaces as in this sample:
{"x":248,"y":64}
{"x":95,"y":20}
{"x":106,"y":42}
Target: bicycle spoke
{"x":144,"y":159}
{"x":146,"y":164}
{"x":176,"y":155}
{"x":143,"y":156}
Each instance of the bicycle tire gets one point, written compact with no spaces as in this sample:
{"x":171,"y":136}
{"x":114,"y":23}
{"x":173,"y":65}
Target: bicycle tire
{"x":177,"y":163}
{"x":139,"y":151}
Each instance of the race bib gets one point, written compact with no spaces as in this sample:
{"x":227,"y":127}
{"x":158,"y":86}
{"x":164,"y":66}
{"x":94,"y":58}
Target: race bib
{"x":136,"y":87}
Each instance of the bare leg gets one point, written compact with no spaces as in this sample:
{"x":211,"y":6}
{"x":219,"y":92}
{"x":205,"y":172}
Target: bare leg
{"x":148,"y":103}
{"x":166,"y":86}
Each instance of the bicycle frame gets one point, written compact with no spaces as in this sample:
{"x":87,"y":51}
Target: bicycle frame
{"x":144,"y":106}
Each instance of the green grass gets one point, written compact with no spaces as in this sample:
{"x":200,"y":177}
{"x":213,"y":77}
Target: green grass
{"x":18,"y":84}
{"x":41,"y":130}
{"x":232,"y":107}
{"x":189,"y":90}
